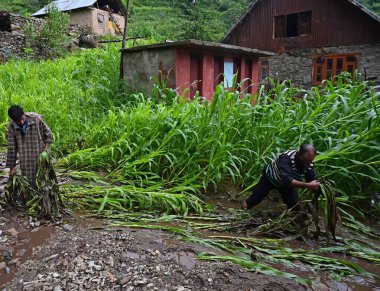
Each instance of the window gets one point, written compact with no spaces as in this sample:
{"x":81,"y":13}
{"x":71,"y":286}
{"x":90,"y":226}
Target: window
{"x":100,"y":22}
{"x":304,"y":23}
{"x":291,"y":25}
{"x":228,"y":74}
{"x":263,"y":70}
{"x":329,"y":66}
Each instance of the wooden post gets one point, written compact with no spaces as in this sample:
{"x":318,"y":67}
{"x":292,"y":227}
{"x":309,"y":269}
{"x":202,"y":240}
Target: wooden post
{"x":126,"y":16}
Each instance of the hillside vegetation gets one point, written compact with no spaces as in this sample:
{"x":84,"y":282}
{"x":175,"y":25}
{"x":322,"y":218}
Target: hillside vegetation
{"x":166,"y":19}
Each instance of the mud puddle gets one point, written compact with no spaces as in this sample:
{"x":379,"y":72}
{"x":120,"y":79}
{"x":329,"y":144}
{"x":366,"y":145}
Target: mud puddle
{"x":20,"y":248}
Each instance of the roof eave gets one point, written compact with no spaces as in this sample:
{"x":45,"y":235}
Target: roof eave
{"x":241,"y":19}
{"x":365,"y":10}
{"x":201,"y":44}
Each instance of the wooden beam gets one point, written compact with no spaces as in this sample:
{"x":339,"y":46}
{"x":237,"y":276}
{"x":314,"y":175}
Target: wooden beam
{"x":126,"y":17}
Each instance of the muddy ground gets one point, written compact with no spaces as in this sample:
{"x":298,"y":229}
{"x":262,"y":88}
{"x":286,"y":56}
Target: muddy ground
{"x":82,"y":253}
{"x":74,"y":255}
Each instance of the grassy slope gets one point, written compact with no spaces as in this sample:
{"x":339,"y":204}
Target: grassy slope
{"x":166,"y":20}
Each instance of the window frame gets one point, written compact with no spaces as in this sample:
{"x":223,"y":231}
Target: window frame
{"x":263,"y":65}
{"x":101,"y":22}
{"x":280,"y":24}
{"x":320,"y":63}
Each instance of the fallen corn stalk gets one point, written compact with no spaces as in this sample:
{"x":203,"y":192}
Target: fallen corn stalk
{"x":44,"y":198}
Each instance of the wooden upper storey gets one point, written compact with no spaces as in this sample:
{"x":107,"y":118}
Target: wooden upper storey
{"x":285,"y":25}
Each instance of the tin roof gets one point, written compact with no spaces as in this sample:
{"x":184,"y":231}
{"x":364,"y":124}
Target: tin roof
{"x":192,"y":43}
{"x":67,"y":5}
{"x":255,"y":2}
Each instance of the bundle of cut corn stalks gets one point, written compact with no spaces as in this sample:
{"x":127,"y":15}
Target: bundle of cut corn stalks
{"x":44,"y":198}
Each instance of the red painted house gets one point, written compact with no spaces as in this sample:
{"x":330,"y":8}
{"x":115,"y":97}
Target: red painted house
{"x":314,"y":40}
{"x":191,"y":66}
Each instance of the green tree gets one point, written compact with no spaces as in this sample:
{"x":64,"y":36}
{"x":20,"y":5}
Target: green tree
{"x":35,"y":5}
{"x":50,"y":40}
{"x":198,"y":19}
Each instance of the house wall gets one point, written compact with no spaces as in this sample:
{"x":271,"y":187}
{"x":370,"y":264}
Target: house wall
{"x":141,"y":68}
{"x":207,"y":84}
{"x":175,"y":64}
{"x":89,"y":17}
{"x":334,"y":22}
{"x":298,"y":65}
{"x":82,"y":17}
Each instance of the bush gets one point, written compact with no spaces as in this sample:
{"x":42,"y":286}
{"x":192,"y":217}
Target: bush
{"x":51,"y":39}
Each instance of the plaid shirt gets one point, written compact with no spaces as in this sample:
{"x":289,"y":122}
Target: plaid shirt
{"x":28,"y":146}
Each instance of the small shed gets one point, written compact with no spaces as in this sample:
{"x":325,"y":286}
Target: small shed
{"x":191,"y":66}
{"x":102,"y":16}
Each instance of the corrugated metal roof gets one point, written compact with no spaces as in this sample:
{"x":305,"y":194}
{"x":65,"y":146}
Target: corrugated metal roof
{"x":65,"y":5}
{"x":192,"y":43}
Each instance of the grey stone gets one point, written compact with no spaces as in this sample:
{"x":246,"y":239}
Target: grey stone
{"x":3,"y":265}
{"x":125,"y":280}
{"x":68,"y":227}
{"x":12,"y":232}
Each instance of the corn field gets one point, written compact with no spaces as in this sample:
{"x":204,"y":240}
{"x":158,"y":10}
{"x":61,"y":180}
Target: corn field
{"x":175,"y":143}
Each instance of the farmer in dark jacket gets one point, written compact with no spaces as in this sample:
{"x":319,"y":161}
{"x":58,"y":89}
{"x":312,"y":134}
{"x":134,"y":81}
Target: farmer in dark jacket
{"x":285,"y":174}
{"x":28,"y":135}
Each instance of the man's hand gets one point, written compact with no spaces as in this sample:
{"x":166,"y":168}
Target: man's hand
{"x":313,"y":185}
{"x":47,"y":147}
{"x":12,"y":172}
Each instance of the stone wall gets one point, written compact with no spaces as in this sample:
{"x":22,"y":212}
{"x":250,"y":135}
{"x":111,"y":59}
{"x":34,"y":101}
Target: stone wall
{"x":13,"y":43}
{"x":297,"y":65}
{"x":140,"y":66}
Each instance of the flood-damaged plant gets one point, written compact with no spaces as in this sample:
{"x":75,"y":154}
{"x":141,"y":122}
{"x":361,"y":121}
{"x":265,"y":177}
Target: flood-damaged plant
{"x":42,"y":199}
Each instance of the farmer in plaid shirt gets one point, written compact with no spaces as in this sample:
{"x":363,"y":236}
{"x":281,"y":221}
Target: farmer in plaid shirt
{"x":28,"y":135}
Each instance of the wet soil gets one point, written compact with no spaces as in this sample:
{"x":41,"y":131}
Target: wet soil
{"x":77,"y":255}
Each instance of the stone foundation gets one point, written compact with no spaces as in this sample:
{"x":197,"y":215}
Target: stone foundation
{"x":12,"y":37}
{"x":297,"y":65}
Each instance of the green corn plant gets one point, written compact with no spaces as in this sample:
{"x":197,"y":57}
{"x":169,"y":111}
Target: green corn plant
{"x":19,"y":191}
{"x":330,"y":208}
{"x":48,"y":203}
{"x":129,"y":197}
{"x":190,"y":144}
{"x":43,"y":198}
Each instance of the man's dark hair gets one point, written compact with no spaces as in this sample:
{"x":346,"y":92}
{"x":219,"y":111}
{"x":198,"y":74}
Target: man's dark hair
{"x":15,"y":112}
{"x":307,"y":148}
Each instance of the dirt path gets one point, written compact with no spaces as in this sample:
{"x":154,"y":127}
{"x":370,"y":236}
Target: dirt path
{"x":73,"y":256}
